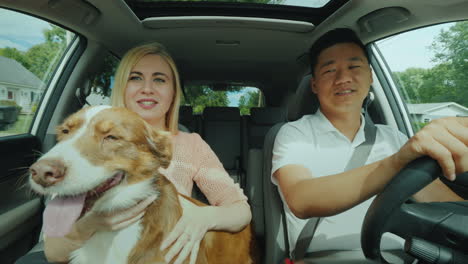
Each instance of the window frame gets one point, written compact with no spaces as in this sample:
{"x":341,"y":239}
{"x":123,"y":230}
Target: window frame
{"x":393,"y":96}
{"x":56,"y":86}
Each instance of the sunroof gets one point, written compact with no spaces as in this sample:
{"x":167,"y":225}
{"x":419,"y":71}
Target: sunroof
{"x":303,"y":3}
{"x":312,"y":11}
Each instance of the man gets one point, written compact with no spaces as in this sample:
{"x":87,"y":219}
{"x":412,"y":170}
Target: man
{"x":310,"y":154}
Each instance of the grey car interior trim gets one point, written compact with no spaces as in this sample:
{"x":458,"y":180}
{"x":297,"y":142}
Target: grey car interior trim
{"x":393,"y":97}
{"x":12,"y":221}
{"x":229,"y":22}
{"x":50,"y":98}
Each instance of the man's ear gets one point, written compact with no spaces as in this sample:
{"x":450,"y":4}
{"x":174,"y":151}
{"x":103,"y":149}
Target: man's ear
{"x":371,"y":78}
{"x":312,"y":85}
{"x":160,"y":144}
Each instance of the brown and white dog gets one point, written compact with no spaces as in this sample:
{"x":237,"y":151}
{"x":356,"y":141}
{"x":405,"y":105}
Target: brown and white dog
{"x":111,"y":156}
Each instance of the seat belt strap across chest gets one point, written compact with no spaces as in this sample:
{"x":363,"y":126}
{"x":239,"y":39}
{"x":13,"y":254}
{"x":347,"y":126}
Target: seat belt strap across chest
{"x":358,"y":159}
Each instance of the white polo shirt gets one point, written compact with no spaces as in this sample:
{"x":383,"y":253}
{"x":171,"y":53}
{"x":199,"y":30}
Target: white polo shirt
{"x":316,"y":144}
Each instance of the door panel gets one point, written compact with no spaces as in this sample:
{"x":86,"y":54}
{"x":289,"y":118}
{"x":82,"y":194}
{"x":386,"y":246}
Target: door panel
{"x":20,"y":210}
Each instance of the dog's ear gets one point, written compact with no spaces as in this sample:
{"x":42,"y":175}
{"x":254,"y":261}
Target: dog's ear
{"x":160,"y":144}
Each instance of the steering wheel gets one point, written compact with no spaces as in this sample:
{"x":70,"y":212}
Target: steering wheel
{"x":434,"y":232}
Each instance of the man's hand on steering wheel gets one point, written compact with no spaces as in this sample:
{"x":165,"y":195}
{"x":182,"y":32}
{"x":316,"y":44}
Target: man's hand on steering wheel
{"x":445,"y":140}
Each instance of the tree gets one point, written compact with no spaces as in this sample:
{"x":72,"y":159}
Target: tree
{"x":101,"y":83}
{"x":55,"y":34}
{"x":432,"y":85}
{"x":410,"y":82}
{"x":16,"y":55}
{"x":439,"y":87}
{"x":249,"y":100}
{"x":44,"y":57}
{"x":451,"y":54}
{"x":447,"y":81}
{"x":451,"y":46}
{"x":201,"y":96}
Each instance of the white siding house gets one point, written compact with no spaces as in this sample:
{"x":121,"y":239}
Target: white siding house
{"x":424,"y":113}
{"x":19,"y":84}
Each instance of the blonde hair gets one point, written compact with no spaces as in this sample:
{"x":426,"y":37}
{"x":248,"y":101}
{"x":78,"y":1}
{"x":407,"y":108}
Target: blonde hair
{"x":131,"y":58}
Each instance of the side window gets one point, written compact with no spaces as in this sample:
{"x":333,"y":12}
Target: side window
{"x":429,"y":66}
{"x":30,"y":51}
{"x":103,"y":81}
{"x":201,"y":96}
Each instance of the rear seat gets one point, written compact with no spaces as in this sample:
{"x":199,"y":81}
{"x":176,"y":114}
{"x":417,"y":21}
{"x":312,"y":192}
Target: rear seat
{"x":188,"y":119}
{"x":222,"y":131}
{"x":234,"y":138}
{"x":260,"y":122}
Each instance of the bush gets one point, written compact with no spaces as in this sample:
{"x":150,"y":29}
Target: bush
{"x":34,"y":108}
{"x":11,"y":103}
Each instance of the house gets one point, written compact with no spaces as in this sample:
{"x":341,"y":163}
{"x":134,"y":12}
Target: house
{"x":424,"y":113}
{"x":19,"y":84}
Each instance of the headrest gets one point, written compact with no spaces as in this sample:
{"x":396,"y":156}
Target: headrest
{"x":183,"y":128}
{"x":268,"y":115}
{"x":304,"y":102}
{"x":219,"y":113}
{"x":185,"y":111}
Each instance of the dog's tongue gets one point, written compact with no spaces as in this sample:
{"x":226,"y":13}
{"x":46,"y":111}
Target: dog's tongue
{"x":61,"y":213}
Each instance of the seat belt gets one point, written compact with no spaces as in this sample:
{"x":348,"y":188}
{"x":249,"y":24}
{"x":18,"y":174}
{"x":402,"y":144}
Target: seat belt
{"x":358,"y":159}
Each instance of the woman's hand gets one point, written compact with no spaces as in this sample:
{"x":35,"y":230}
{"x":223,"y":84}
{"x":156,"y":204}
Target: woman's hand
{"x":188,"y":233}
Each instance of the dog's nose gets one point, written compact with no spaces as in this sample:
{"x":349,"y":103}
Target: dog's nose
{"x":47,"y":172}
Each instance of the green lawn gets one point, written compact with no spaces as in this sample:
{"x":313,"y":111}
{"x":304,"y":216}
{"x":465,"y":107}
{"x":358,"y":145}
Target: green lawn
{"x":21,"y":126}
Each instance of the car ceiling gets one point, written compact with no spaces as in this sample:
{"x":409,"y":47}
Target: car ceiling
{"x":269,"y":52}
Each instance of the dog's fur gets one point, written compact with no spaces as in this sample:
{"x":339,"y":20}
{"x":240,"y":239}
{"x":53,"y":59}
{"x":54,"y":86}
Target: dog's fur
{"x":96,"y":143}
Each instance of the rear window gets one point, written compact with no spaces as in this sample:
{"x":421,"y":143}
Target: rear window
{"x":200,"y":96}
{"x":100,"y":87}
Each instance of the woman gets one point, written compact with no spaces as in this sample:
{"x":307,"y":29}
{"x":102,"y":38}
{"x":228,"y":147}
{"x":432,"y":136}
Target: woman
{"x":147,"y":82}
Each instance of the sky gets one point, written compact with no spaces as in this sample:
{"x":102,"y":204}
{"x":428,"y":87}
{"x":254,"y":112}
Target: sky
{"x":14,"y":32}
{"x":410,"y":49}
